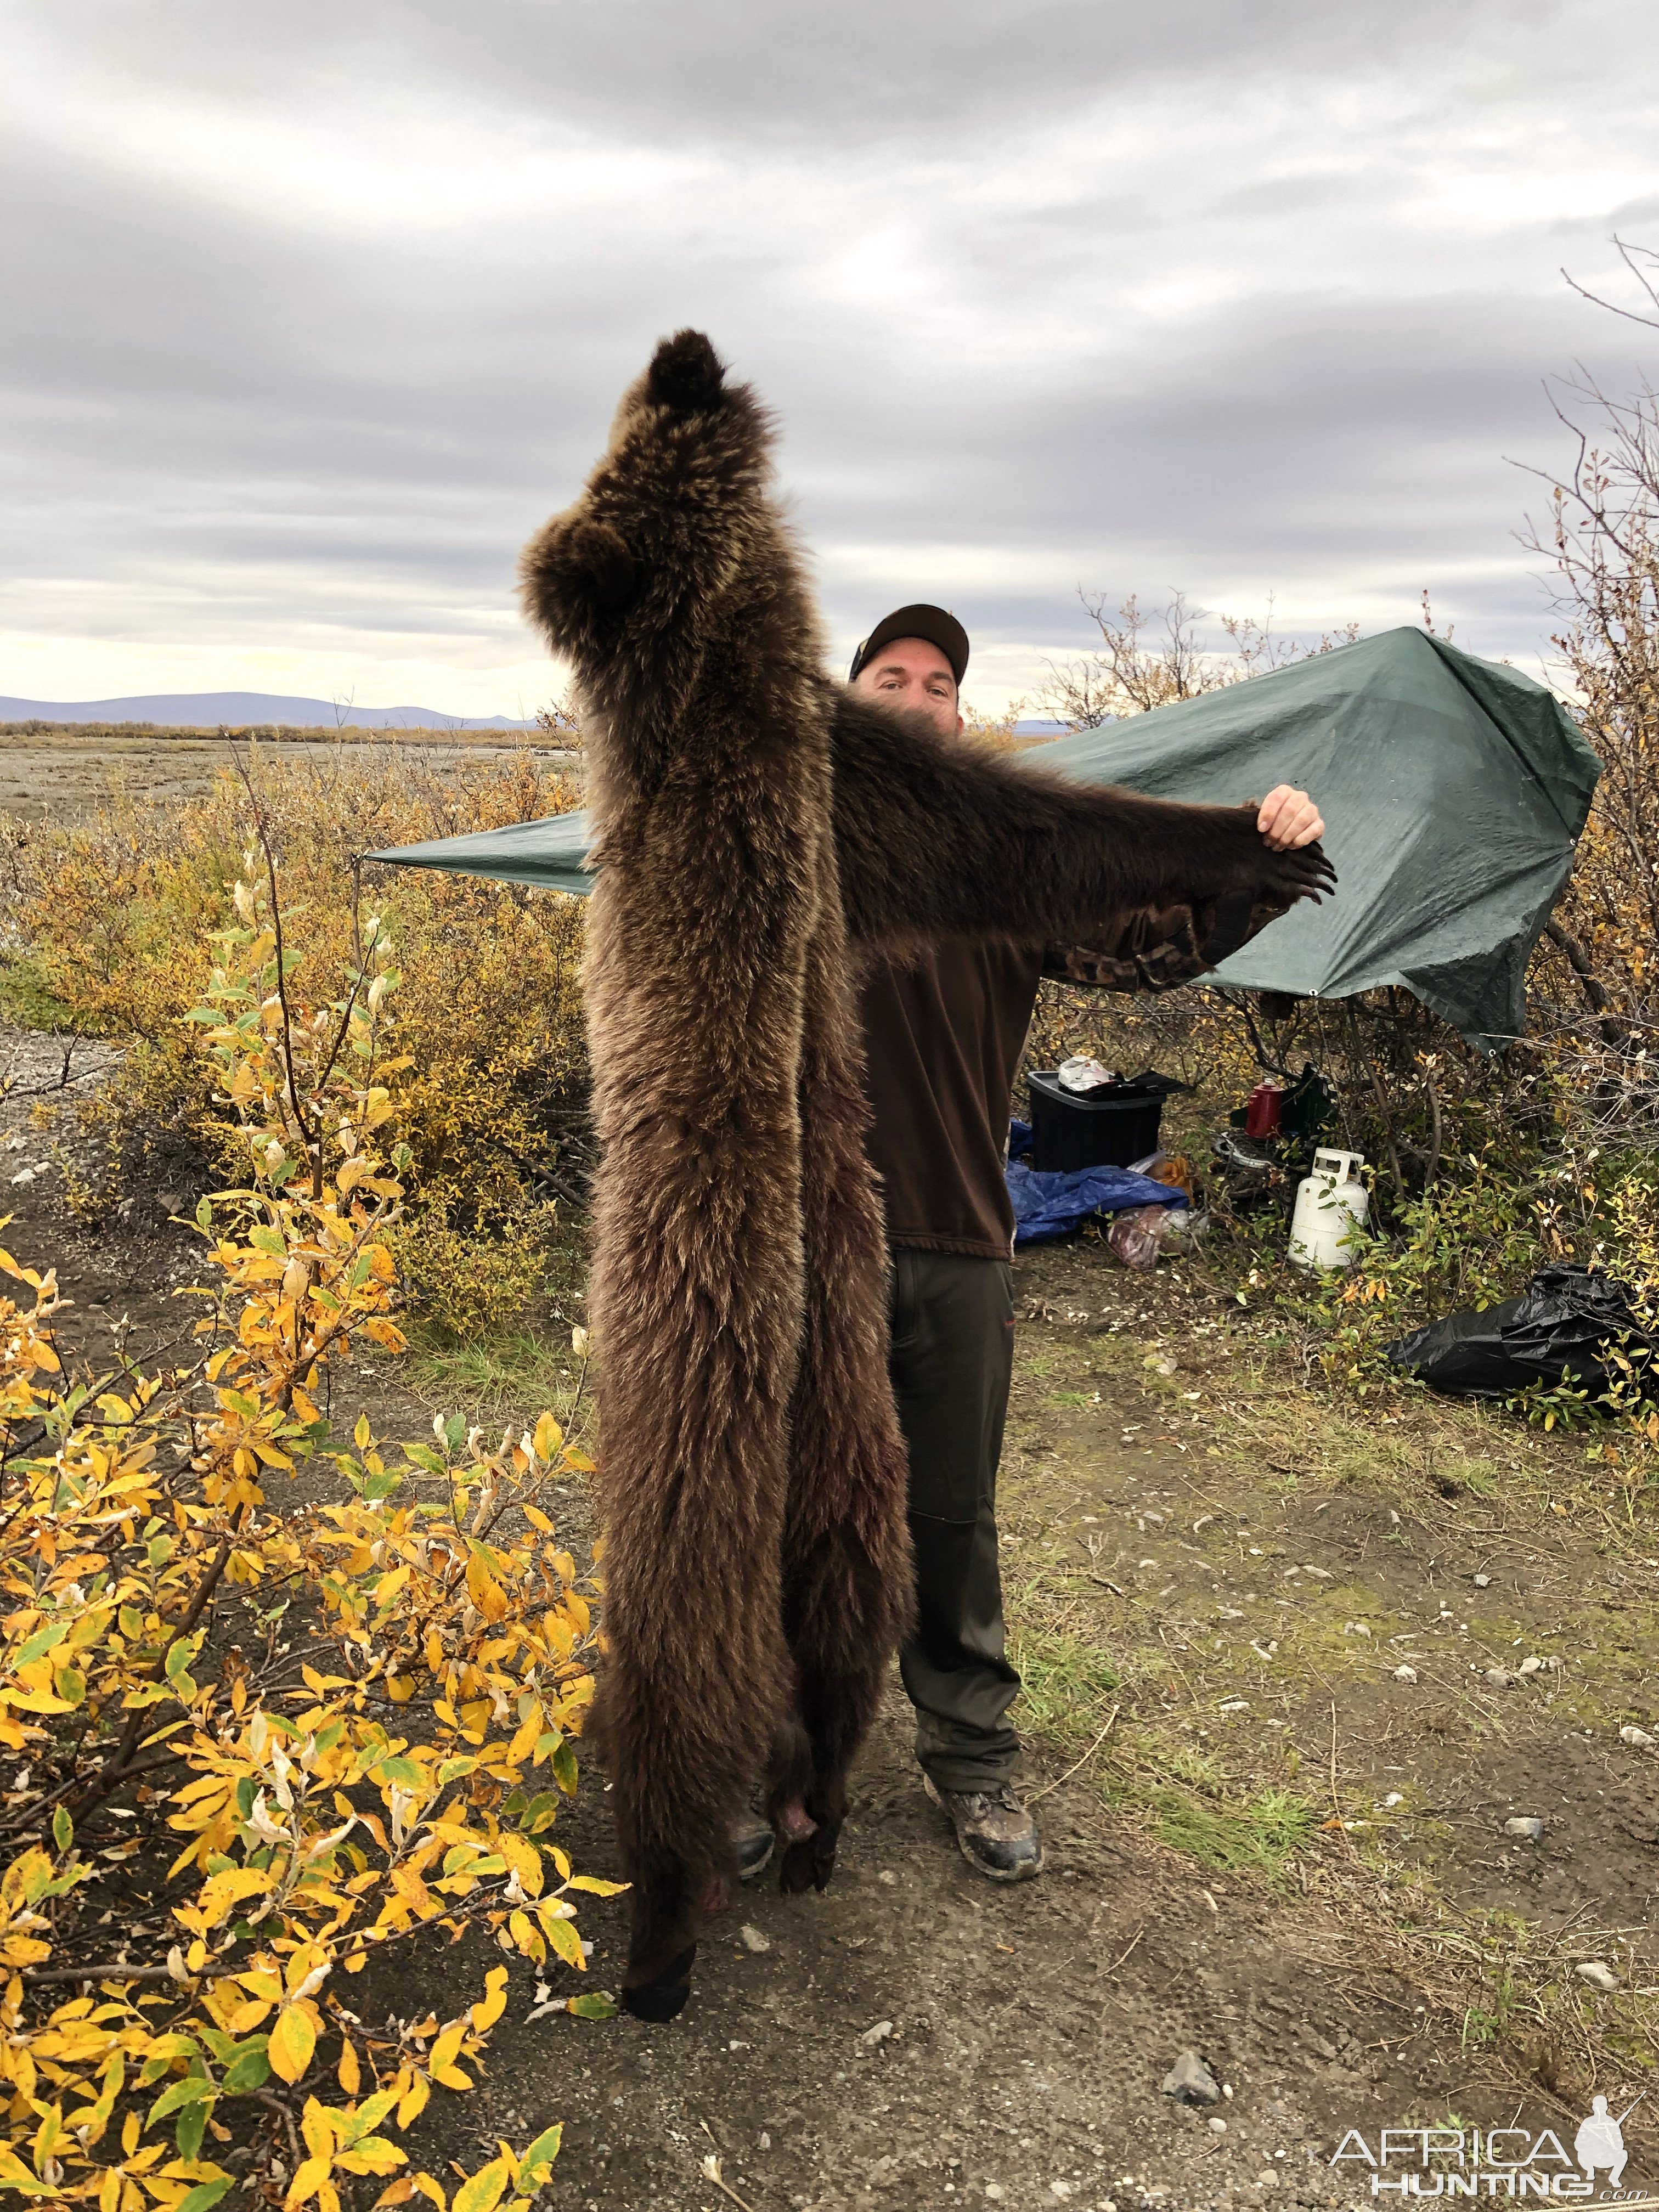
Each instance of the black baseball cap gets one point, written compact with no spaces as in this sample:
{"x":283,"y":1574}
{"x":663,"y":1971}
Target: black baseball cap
{"x":933,"y":624}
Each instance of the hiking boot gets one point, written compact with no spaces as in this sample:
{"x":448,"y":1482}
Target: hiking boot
{"x":752,"y":1840}
{"x":995,"y":1832}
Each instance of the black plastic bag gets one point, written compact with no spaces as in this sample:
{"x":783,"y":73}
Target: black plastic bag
{"x":1557,"y":1331}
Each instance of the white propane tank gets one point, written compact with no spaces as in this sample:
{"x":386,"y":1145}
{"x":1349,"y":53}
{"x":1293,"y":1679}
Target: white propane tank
{"x":1329,"y":1204}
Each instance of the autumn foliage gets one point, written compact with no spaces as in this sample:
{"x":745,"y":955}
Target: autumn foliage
{"x":332,"y":1729}
{"x":118,"y":913}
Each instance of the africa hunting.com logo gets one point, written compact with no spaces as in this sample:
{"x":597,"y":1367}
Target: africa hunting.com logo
{"x":1454,"y":2163}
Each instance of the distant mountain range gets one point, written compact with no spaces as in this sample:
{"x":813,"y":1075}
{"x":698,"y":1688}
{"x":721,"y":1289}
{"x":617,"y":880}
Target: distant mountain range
{"x":199,"y":710}
{"x":236,"y":709}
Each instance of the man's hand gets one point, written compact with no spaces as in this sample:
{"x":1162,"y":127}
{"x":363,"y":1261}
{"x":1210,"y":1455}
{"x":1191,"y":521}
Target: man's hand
{"x":1288,"y":818}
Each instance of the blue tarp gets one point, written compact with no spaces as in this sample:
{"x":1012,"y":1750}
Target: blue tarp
{"x":1050,"y":1205}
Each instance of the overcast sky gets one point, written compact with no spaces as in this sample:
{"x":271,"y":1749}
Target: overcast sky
{"x":312,"y":313}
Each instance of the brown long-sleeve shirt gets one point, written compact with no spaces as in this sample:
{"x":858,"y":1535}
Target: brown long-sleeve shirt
{"x":943,"y":1036}
{"x":944,"y":1031}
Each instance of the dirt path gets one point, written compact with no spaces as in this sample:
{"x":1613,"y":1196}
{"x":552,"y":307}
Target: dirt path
{"x":1266,"y":1846}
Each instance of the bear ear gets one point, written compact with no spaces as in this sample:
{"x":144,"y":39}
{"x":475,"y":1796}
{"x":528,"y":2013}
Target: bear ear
{"x":686,"y":373}
{"x":600,"y":556}
{"x":577,"y":566}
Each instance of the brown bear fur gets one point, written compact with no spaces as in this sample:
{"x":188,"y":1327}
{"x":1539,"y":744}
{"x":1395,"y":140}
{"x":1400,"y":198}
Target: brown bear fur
{"x":757,"y":825}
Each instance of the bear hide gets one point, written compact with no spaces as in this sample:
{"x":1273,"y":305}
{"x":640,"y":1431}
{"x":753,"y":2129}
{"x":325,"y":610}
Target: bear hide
{"x":760,"y":828}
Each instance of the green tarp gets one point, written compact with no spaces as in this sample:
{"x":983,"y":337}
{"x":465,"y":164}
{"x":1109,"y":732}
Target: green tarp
{"x":1453,"y":790}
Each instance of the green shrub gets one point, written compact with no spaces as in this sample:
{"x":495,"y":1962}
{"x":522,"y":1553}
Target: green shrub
{"x":27,"y":999}
{"x":473,"y":1282}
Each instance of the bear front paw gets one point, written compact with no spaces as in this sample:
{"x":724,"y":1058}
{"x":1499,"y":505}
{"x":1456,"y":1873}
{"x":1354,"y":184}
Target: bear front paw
{"x":1303,"y":872}
{"x":686,"y":373}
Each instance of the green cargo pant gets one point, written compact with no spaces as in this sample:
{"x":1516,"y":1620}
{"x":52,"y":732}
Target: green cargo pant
{"x":951,"y":1361}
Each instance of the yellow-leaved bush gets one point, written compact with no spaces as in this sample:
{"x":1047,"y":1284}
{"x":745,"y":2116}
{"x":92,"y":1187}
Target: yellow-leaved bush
{"x":117,"y":914}
{"x":388,"y":1770}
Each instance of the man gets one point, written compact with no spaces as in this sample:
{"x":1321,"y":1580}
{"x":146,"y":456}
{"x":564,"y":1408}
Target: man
{"x":943,"y":1034}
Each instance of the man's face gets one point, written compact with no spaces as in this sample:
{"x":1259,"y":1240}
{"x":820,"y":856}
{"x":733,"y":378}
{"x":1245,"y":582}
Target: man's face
{"x":910,"y":672}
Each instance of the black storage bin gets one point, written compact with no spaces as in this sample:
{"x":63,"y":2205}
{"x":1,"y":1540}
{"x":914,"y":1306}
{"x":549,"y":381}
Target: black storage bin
{"x":1112,"y":1127}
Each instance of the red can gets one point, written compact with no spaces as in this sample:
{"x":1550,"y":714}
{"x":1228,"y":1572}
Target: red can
{"x":1262,"y":1110}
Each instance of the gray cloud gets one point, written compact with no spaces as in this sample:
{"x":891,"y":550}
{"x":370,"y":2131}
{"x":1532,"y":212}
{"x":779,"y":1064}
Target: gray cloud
{"x":314,"y":313}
